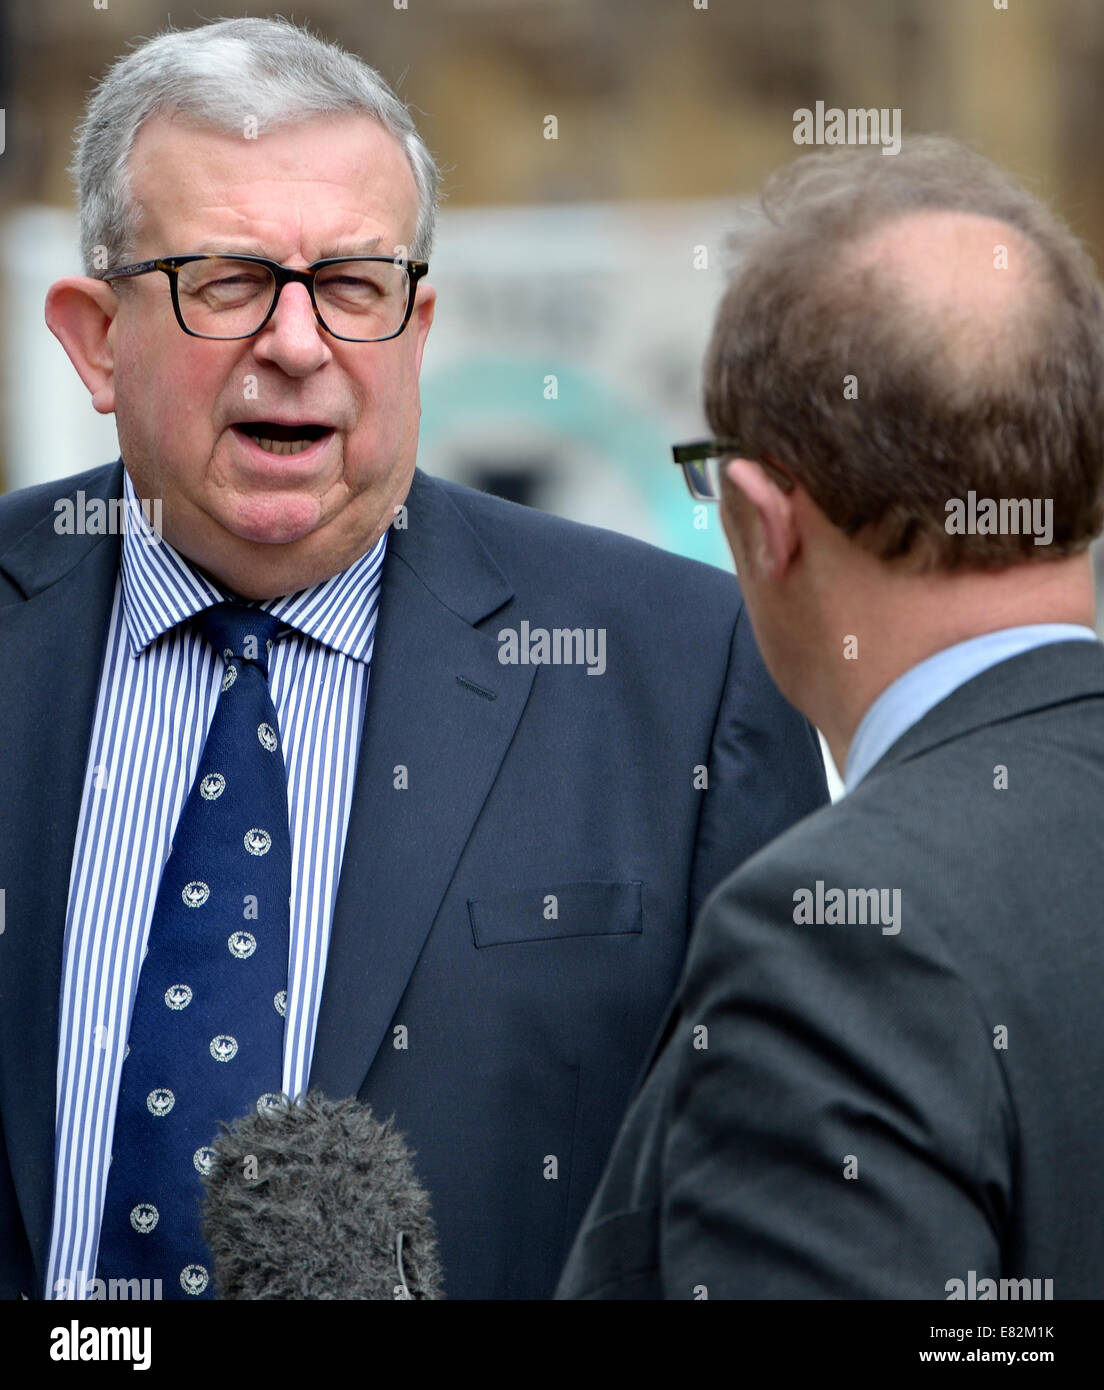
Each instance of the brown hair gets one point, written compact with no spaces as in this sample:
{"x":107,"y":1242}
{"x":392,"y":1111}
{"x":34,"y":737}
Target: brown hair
{"x":940,"y":410}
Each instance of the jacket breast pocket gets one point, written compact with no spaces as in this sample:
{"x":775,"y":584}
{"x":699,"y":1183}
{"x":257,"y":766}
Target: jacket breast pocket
{"x":551,"y":911}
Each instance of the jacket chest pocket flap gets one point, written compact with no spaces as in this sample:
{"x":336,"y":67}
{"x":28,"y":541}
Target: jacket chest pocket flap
{"x":557,"y":910}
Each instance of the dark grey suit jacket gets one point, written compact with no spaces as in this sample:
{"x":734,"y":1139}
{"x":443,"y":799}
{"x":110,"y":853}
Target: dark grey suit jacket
{"x":876,"y":1115}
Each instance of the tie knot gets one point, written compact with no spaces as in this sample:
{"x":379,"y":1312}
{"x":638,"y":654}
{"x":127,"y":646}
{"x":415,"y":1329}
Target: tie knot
{"x":237,"y":630}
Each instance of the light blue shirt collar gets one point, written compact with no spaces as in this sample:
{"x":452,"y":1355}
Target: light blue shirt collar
{"x":908,"y":699}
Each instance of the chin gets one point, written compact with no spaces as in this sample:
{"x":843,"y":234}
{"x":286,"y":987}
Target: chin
{"x":275,"y":520}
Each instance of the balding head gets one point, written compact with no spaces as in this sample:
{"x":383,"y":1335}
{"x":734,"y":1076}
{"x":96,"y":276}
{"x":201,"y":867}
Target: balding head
{"x":910,"y":330}
{"x":905,"y":333}
{"x":973,"y":288}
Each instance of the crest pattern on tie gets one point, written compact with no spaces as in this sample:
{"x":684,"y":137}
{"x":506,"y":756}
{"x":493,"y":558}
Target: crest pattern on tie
{"x":206,"y":1037}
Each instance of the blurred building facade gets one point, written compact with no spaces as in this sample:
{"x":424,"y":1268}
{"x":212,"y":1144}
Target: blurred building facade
{"x":655,"y":99}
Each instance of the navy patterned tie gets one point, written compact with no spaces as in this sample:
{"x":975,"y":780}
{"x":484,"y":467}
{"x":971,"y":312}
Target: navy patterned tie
{"x":206,"y":1035}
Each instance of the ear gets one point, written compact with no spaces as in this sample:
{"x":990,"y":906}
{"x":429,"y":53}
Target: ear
{"x":777,"y":539}
{"x":79,"y":313}
{"x":420,"y":319}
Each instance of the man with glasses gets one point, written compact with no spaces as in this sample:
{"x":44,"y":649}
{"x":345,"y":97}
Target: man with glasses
{"x":881,"y":1075}
{"x":256,"y":840}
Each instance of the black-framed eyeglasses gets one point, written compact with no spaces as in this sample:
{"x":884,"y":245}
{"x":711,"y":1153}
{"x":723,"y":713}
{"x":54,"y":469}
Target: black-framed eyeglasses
{"x":701,"y":466}
{"x":360,"y":299}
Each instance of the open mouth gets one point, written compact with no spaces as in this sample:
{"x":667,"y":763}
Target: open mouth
{"x":282,"y":439}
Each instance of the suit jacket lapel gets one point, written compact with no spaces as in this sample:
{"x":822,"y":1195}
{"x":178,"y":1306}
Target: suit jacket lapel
{"x":423,"y":715}
{"x":51,"y":647}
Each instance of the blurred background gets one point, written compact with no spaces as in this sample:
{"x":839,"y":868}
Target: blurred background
{"x":577,"y":276}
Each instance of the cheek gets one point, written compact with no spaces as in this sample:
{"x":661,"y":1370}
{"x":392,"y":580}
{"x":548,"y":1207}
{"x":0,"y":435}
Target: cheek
{"x":388,"y":403}
{"x":168,"y":390}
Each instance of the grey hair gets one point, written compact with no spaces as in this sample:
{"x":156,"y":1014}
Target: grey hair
{"x":219,"y":75}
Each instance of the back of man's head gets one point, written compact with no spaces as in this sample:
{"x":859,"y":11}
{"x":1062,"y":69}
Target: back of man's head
{"x":906,"y":331}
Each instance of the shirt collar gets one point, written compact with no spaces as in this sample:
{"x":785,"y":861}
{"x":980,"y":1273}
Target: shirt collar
{"x":161,"y":589}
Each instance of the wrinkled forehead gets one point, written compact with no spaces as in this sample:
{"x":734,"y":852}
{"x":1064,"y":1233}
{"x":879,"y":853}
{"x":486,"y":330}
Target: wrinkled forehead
{"x":299,"y":192}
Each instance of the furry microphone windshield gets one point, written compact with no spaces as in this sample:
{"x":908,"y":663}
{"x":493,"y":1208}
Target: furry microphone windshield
{"x":318,"y":1200}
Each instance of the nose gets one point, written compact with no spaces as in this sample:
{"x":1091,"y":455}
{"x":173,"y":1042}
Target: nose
{"x":293,"y":339}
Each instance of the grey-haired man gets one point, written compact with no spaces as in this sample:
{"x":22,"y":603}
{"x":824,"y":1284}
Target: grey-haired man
{"x":492,"y":866}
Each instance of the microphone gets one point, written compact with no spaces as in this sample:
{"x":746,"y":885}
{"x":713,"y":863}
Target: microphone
{"x":317,"y":1199}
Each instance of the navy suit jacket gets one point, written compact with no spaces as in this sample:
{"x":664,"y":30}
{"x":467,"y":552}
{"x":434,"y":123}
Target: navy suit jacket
{"x":524,"y":1032}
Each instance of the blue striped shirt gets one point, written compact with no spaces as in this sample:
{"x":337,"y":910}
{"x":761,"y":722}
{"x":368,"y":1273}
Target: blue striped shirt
{"x":158,"y":689}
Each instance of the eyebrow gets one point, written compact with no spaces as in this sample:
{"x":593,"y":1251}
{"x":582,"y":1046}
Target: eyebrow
{"x":254,"y":248}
